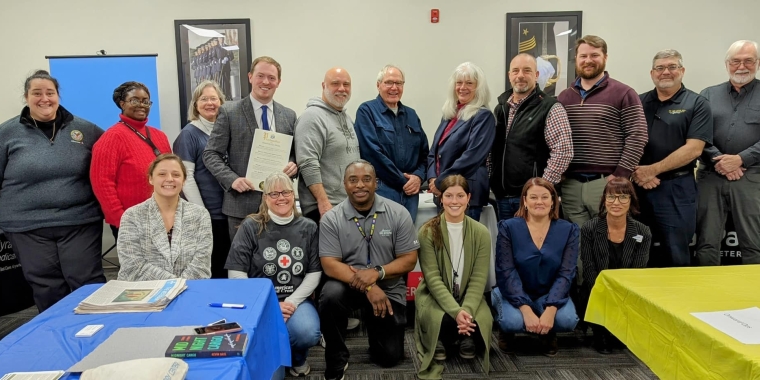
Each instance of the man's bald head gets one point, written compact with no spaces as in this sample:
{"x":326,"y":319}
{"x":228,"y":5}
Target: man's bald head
{"x":336,"y":88}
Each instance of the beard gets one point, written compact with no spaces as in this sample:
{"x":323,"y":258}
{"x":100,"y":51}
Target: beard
{"x":597,"y":71}
{"x":521,"y":87}
{"x":334,"y":100}
{"x":743,"y":77}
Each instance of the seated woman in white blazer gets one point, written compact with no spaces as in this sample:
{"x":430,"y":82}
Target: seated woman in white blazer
{"x":165,"y":236}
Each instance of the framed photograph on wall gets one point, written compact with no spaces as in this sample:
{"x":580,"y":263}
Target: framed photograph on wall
{"x":550,"y":37}
{"x":218,"y":50}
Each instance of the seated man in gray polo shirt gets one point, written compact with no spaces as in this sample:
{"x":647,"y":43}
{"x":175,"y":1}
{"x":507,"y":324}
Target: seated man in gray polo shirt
{"x":367,"y":245}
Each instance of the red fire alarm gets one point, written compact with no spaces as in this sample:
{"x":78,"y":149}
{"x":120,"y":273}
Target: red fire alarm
{"x":434,"y":16}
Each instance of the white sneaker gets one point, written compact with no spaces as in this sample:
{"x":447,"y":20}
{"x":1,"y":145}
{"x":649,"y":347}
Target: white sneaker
{"x":353,"y":323}
{"x":301,"y":370}
{"x":322,"y":341}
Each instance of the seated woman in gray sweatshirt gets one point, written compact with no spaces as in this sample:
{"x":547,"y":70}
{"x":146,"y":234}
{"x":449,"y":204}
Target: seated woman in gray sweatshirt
{"x":279,"y":244}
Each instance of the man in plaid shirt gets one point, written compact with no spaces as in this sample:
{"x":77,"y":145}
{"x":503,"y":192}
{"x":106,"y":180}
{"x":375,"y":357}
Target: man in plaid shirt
{"x":533,"y":137}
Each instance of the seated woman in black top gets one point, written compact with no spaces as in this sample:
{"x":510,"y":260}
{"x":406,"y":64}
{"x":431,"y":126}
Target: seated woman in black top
{"x":613,"y":240}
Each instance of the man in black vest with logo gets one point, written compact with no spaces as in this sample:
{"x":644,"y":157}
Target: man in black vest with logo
{"x":533,"y":137}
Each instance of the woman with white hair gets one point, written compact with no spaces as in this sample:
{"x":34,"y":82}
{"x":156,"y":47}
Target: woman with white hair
{"x":464,"y":137}
{"x":279,"y":244}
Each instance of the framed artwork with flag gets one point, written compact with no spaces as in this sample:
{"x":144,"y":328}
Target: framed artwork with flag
{"x":550,"y":37}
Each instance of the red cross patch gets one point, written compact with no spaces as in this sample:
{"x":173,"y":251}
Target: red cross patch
{"x":284,"y":261}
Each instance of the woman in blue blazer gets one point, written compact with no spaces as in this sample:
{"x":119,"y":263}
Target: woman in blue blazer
{"x":464,"y":137}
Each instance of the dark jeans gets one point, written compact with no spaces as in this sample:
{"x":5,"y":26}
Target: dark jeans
{"x":385,"y":335}
{"x":58,"y":260}
{"x":221,"y":234}
{"x":410,"y":202}
{"x":507,"y":206}
{"x":670,"y":211}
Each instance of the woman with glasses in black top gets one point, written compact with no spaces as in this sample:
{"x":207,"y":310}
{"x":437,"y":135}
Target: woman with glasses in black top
{"x":613,"y":240}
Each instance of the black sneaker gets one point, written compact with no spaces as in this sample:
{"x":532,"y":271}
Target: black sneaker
{"x":337,"y":376}
{"x":467,"y":348}
{"x":440,"y":351}
{"x":507,"y":342}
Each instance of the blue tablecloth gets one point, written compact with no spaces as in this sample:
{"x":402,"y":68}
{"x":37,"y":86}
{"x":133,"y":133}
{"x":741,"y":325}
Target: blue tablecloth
{"x":47,"y":342}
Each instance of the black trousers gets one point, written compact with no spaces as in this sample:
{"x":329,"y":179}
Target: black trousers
{"x":233,"y":224}
{"x":221,"y":234}
{"x":59,"y":260}
{"x":314,"y":215}
{"x":385,"y":335}
{"x":449,"y":333}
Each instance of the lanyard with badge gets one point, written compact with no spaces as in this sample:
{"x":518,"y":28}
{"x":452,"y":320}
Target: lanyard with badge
{"x":368,"y":239}
{"x":146,"y":139}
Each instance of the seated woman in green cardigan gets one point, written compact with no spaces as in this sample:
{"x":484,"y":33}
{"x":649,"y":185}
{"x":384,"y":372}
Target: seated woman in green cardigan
{"x":454,"y":255}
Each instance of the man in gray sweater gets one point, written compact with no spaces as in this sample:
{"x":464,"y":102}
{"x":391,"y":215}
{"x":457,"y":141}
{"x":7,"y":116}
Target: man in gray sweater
{"x":325,"y":144}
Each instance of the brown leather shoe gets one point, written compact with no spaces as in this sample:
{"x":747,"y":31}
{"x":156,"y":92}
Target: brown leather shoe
{"x":550,"y":347}
{"x":506,"y":342}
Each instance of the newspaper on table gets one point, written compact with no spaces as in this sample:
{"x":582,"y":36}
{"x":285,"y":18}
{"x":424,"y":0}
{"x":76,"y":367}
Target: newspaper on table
{"x":41,"y":375}
{"x":132,"y":296}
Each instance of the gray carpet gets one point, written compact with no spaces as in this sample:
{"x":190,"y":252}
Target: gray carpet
{"x":576,"y":360}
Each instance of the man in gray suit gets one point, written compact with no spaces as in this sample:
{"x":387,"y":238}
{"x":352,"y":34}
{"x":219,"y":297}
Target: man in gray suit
{"x":232,"y":136}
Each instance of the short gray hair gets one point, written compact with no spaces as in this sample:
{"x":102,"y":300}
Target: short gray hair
{"x":192,"y":110}
{"x":467,"y":70}
{"x":668,"y":53}
{"x":738,"y":45}
{"x":384,"y":71}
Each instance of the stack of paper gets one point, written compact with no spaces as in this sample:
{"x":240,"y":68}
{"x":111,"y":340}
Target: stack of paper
{"x":132,"y":297}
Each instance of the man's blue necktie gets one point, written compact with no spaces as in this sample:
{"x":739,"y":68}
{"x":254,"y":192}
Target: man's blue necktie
{"x":264,"y":118}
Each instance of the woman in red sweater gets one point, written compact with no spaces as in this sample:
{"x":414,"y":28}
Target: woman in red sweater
{"x":120,"y":159}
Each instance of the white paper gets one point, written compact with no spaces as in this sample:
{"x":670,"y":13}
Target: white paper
{"x":42,"y":375}
{"x":742,"y":325}
{"x":269,"y":154}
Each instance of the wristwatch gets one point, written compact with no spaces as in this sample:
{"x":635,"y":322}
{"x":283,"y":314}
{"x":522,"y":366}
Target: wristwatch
{"x":381,"y":271}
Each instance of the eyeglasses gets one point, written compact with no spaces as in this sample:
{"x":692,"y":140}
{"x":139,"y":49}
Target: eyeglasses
{"x":276,"y":194}
{"x":670,"y":68}
{"x":623,"y":198}
{"x":367,"y":180}
{"x":207,"y":99}
{"x":136,"y":102}
{"x":749,"y":62}
{"x":390,"y":84}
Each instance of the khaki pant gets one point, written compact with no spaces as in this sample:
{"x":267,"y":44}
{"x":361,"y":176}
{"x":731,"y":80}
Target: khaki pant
{"x":580,"y":203}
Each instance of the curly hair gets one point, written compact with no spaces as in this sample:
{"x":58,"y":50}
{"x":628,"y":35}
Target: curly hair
{"x":120,"y":93}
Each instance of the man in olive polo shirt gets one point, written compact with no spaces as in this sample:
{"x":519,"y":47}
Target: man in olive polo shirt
{"x":729,"y":170}
{"x":366,"y":245}
{"x":679,"y":123}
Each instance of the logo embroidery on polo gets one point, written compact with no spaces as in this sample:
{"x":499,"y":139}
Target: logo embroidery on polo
{"x":676,"y":112}
{"x":283,"y":277}
{"x":386,"y":232}
{"x":270,"y":269}
{"x":283,"y":245}
{"x":297,"y":253}
{"x":76,"y":136}
{"x":297,"y":268}
{"x":284,"y":261}
{"x":269,"y":253}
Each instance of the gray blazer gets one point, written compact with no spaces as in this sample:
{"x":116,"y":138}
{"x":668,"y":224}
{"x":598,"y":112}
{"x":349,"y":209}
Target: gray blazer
{"x":144,"y":250}
{"x":233,"y":136}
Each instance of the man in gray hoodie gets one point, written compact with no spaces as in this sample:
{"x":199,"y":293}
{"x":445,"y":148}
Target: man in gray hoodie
{"x":325,"y":144}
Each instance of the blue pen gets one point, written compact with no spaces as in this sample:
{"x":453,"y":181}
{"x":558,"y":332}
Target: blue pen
{"x":228,"y":305}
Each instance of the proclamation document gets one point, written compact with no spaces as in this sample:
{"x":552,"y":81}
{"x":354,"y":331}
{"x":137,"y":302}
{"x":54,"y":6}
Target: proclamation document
{"x":742,"y":325}
{"x":269,"y":154}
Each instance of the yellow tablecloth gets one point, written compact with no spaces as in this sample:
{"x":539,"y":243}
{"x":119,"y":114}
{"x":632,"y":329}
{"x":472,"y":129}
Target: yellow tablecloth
{"x":649,"y":310}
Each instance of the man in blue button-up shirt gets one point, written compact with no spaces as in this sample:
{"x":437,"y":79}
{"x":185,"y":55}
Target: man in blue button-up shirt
{"x":391,"y":138}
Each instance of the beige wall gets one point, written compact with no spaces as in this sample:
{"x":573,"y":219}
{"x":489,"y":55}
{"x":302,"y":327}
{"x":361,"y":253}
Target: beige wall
{"x":307,"y":37}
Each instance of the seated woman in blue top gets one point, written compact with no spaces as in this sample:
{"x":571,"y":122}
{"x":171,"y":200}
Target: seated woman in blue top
{"x":279,"y":244}
{"x":536,"y":259}
{"x":613,"y":240}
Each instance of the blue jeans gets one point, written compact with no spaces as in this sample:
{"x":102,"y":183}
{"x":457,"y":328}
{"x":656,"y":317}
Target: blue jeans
{"x":303,"y":330}
{"x":507,"y":206}
{"x":410,"y":202}
{"x":510,"y":318}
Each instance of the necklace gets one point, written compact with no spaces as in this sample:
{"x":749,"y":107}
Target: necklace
{"x":51,"y":138}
